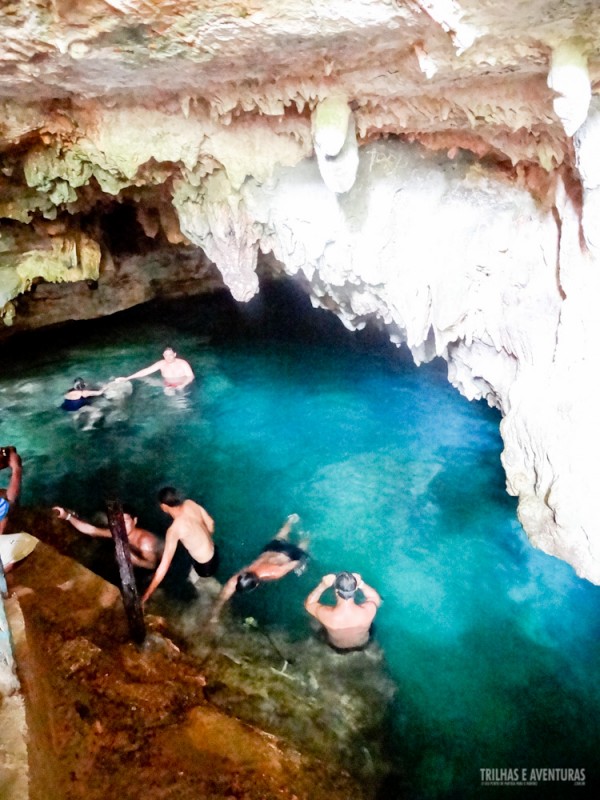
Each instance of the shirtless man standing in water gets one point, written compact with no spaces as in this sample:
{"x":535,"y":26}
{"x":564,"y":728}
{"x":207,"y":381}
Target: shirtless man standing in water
{"x":176,"y":372}
{"x":145,"y":548}
{"x":194,"y":528}
{"x":347,"y":623}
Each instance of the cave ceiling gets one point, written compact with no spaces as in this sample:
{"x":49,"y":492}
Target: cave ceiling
{"x":470,"y":74}
{"x":104,"y":99}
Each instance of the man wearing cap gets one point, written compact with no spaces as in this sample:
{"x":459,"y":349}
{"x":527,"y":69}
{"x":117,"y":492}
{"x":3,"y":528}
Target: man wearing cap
{"x":8,"y":497}
{"x":347,"y":623}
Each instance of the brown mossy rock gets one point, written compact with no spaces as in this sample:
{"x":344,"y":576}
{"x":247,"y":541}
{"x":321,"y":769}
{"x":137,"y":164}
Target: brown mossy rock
{"x":107,"y":718}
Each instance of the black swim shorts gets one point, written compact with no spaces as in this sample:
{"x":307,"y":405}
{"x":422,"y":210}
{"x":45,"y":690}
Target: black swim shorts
{"x":209,"y":567}
{"x":293,"y":552}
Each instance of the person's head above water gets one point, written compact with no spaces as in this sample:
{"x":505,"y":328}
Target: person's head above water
{"x":129,"y":518}
{"x":345,"y":585}
{"x":247,"y":581}
{"x":79,"y":384}
{"x":169,"y":496}
{"x":169,"y":354}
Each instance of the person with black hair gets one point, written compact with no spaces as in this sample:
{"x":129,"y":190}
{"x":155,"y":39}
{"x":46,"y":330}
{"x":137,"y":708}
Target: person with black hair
{"x":192,"y":526}
{"x":78,"y":395}
{"x":145,"y":548}
{"x":347,"y":623}
{"x":277,"y":558}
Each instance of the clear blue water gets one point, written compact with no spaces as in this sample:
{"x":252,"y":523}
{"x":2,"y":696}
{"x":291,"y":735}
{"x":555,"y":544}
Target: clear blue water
{"x":494,"y":645}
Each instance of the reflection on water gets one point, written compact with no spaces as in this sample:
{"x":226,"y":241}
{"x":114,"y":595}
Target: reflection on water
{"x":492,"y":645}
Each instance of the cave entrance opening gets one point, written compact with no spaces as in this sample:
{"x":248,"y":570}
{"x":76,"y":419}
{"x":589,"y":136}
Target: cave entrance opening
{"x":122,"y":232}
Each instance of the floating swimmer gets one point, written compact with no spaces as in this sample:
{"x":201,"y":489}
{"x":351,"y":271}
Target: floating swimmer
{"x":79,"y":395}
{"x":277,"y":558}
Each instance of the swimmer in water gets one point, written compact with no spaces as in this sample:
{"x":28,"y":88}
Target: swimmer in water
{"x":78,"y":395}
{"x":347,"y":623}
{"x":278,"y":557}
{"x":176,"y":372}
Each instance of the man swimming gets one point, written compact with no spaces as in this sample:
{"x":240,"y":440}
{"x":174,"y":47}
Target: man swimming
{"x":276,"y":559}
{"x":192,"y":526}
{"x":176,"y":372}
{"x":347,"y":623}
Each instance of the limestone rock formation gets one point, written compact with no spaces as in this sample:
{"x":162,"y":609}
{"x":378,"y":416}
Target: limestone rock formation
{"x":428,"y":165}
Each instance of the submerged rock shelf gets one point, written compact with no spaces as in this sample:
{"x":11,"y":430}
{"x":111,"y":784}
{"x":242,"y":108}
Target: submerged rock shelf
{"x":105,"y":716}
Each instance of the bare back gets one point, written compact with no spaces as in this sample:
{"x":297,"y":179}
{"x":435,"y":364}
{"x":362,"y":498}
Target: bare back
{"x":270,"y":566}
{"x":194,"y":528}
{"x":347,"y":623}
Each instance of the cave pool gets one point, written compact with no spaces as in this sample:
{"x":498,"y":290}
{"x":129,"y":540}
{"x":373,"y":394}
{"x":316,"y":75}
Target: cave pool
{"x":493,"y":645}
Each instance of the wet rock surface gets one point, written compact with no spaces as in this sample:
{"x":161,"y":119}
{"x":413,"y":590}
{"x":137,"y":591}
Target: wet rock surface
{"x":326,"y":702}
{"x":177,"y":717}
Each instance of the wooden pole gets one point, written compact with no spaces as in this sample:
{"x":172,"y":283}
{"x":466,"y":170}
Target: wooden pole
{"x":129,"y":592}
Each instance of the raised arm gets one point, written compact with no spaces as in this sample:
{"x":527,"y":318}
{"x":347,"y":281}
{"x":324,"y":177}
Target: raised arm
{"x":312,"y":604}
{"x":81,"y":525}
{"x":14,"y":486}
{"x":370,"y":594}
{"x":165,"y":563}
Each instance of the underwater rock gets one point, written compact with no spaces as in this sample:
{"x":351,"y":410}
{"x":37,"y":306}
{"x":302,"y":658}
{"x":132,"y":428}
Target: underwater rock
{"x":106,"y":717}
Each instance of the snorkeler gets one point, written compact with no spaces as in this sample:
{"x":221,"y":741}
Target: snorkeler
{"x":176,"y":372}
{"x":78,"y":395}
{"x":277,"y":558}
{"x":145,"y":548}
{"x":192,"y":526}
{"x":347,"y":623}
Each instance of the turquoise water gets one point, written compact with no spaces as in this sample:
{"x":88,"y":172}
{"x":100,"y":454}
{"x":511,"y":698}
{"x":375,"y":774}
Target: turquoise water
{"x":493,"y":645}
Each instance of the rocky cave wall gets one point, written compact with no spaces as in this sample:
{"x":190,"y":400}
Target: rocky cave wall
{"x":426,"y":165}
